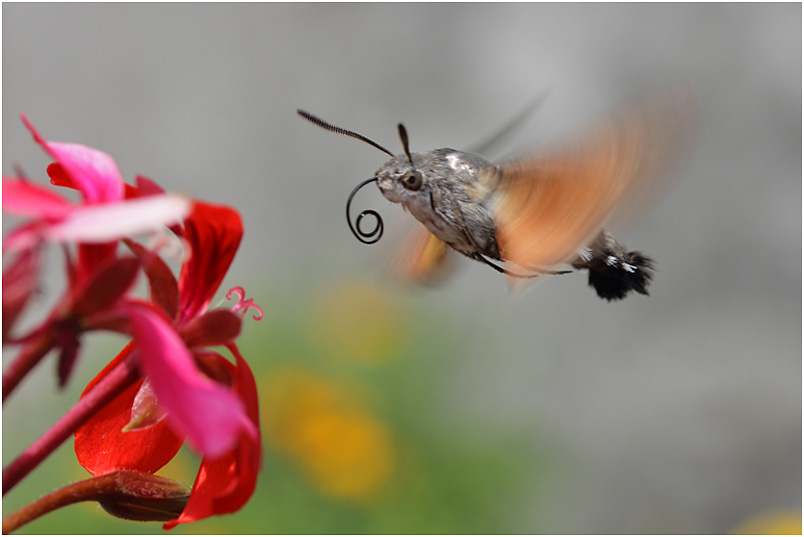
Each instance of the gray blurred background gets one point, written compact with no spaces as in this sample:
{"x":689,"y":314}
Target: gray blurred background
{"x":678,"y":412}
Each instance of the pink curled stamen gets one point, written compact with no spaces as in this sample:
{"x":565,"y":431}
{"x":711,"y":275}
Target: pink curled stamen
{"x":243,"y":305}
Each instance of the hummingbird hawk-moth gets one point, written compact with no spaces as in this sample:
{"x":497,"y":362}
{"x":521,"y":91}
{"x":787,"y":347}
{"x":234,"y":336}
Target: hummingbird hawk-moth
{"x":532,"y":213}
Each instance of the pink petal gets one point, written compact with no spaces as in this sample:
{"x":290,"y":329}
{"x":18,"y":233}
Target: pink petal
{"x":93,"y":172}
{"x":225,"y":484}
{"x":22,"y":198}
{"x":102,"y":223}
{"x":211,"y":415}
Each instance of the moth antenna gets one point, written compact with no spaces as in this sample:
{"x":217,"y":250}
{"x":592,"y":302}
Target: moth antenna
{"x":328,"y":126}
{"x":403,"y":135}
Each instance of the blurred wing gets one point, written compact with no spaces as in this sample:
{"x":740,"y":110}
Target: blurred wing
{"x":494,"y":141}
{"x":553,"y":204}
{"x":422,"y":258}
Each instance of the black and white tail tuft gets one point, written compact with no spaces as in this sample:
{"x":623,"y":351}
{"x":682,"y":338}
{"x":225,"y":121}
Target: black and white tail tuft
{"x":613,"y":271}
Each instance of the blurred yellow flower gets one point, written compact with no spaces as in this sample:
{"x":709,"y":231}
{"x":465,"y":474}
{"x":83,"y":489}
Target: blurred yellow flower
{"x":773,"y":522}
{"x":326,"y":428}
{"x":354,"y":321}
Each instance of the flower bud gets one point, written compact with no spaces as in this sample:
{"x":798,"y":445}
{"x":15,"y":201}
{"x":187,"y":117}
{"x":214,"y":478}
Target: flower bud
{"x":144,"y":497}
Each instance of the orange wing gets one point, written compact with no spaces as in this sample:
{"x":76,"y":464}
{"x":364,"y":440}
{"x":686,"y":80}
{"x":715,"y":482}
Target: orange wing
{"x":422,"y":258}
{"x":551,"y":205}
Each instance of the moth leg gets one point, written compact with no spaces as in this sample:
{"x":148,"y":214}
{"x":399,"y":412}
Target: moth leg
{"x":480,"y":257}
{"x":543,"y":271}
{"x":478,"y":254}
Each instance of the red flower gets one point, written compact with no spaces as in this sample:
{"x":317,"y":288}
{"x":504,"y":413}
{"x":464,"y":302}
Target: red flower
{"x":166,"y":384}
{"x":97,"y":278}
{"x":187,"y":390}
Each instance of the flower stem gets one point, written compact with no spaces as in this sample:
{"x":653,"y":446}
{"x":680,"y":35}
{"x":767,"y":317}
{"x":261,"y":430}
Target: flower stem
{"x":28,"y":357}
{"x":140,"y":496}
{"x":120,"y":378}
{"x":89,"y":489}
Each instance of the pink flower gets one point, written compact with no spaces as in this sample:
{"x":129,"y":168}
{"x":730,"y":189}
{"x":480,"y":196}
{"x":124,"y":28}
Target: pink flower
{"x":97,"y":278}
{"x":188,"y":390}
{"x":104,"y":215}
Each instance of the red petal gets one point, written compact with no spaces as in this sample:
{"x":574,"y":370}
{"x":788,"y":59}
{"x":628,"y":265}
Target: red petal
{"x":249,"y":450}
{"x":147,"y":187}
{"x":130,"y":192}
{"x":163,"y":285}
{"x":210,"y":414}
{"x":59,"y":177}
{"x":216,"y":327}
{"x":245,"y":386}
{"x":213,"y":233}
{"x":225,"y":484}
{"x":105,"y":286}
{"x":214,"y":366}
{"x":100,"y":445}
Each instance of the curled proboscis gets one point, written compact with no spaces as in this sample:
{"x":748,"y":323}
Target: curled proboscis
{"x":375,"y":234}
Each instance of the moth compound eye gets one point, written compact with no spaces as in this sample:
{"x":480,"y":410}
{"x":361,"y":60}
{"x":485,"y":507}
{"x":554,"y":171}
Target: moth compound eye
{"x":412,"y":181}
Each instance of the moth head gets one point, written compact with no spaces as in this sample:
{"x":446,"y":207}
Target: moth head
{"x":398,"y":179}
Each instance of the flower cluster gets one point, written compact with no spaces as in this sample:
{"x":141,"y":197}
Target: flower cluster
{"x":169,"y":383}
